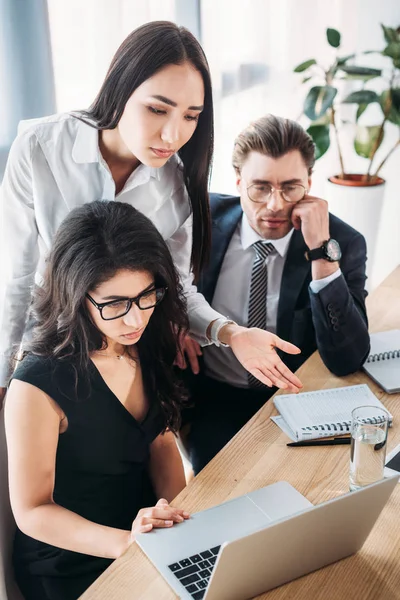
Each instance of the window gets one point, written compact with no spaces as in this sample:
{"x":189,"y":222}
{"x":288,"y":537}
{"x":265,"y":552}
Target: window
{"x":84,"y":37}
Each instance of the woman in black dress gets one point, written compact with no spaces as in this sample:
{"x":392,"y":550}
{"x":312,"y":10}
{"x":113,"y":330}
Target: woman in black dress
{"x":91,"y":410}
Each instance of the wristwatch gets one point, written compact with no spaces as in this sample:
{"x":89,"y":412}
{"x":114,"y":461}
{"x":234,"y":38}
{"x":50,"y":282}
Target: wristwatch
{"x":330,"y":250}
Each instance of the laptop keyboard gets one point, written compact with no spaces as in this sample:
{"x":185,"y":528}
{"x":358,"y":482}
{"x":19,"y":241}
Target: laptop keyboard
{"x":195,"y":571}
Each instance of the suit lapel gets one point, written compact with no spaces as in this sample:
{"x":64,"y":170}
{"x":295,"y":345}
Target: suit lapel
{"x":223,"y":227}
{"x":294,"y":274}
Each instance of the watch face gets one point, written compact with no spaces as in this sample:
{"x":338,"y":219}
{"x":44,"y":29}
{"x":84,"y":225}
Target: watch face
{"x":333,"y":250}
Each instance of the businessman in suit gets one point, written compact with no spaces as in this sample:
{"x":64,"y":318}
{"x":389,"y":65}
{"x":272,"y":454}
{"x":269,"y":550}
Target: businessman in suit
{"x":280,"y":262}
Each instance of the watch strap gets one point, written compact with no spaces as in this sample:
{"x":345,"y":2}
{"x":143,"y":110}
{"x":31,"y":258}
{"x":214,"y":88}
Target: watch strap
{"x":316,"y":253}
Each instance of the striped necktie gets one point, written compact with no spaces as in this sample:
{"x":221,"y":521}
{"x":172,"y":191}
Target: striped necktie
{"x":257,"y":315}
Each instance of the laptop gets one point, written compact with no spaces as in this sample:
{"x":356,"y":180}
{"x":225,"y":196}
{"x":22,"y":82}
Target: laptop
{"x":261,"y":540}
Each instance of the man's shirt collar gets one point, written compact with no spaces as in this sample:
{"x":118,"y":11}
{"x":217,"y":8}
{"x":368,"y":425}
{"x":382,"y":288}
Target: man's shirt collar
{"x":248,"y":237}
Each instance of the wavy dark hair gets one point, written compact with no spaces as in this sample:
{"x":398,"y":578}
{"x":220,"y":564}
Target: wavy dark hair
{"x":145,"y":51}
{"x":93,"y":243}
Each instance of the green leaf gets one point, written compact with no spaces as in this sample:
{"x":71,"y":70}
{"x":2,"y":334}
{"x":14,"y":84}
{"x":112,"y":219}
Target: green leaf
{"x":333,"y":37}
{"x":318,"y":100}
{"x":390,"y":34}
{"x":305,"y":65}
{"x":361,"y":97}
{"x":344,"y":59}
{"x":305,"y":79}
{"x":321,"y":139}
{"x":396,"y":63}
{"x":394,"y":115}
{"x":324,"y":120}
{"x":392,"y":50}
{"x":393,"y":98}
{"x":364,"y":73}
{"x":365,"y":140}
{"x":361,"y":108}
{"x":386,"y":100}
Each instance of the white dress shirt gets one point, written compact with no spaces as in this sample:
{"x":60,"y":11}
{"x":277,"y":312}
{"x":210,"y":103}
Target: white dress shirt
{"x":54,"y":166}
{"x":231,"y":297}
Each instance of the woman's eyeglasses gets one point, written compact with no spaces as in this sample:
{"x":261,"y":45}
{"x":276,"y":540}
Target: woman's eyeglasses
{"x":118,"y":308}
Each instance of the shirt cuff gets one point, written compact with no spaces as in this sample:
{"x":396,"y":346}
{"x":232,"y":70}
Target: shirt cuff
{"x":318,"y":284}
{"x":199,"y":320}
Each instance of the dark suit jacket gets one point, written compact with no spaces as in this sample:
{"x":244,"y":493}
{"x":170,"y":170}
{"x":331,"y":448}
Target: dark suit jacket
{"x":334,"y":321}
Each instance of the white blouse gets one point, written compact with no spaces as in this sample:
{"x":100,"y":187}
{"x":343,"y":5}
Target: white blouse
{"x":54,"y":166}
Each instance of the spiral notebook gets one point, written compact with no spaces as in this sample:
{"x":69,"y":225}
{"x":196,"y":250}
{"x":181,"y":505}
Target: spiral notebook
{"x":383,"y":363}
{"x":323,"y":413}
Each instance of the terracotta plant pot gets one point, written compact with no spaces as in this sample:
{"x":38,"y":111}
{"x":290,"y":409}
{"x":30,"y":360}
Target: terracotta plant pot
{"x":355,"y":180}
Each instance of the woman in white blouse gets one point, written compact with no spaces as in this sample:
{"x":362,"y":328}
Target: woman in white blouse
{"x":146,"y":140}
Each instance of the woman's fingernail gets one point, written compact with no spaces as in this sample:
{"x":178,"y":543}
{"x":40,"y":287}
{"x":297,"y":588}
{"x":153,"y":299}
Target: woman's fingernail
{"x":169,"y":523}
{"x":186,"y":514}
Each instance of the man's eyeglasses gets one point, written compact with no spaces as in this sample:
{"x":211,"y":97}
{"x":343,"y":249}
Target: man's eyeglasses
{"x":290,"y":192}
{"x":118,"y":308}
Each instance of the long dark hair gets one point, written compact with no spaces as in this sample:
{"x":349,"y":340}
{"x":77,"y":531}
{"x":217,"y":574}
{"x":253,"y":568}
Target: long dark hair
{"x":144,"y":52}
{"x":94,"y":242}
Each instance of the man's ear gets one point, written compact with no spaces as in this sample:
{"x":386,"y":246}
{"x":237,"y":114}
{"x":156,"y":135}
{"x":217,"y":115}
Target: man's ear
{"x":238,"y":182}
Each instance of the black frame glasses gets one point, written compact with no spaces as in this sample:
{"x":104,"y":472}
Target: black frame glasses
{"x":280,"y":190}
{"x":160,"y":293}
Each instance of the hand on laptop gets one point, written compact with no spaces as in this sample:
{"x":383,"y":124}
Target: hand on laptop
{"x":160,"y":515}
{"x":255,"y":349}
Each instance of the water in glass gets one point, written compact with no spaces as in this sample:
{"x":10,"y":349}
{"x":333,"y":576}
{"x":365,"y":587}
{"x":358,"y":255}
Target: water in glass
{"x":367,"y":460}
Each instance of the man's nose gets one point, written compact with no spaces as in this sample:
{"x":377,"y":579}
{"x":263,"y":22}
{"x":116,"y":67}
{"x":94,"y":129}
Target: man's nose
{"x":275,"y":201}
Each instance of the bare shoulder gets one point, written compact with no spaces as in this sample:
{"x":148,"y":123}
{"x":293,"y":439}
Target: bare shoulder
{"x":32,"y":422}
{"x":27,"y":403}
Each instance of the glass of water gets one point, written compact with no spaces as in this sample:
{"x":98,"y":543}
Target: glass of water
{"x":369,"y":429}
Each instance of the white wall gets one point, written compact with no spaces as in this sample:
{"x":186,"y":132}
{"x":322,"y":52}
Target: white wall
{"x":361,"y":25}
{"x":85,"y":35}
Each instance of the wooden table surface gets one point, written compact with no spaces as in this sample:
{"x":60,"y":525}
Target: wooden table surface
{"x":258,"y":456}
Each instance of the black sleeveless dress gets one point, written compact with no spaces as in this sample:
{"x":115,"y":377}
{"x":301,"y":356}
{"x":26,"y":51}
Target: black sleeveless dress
{"x":101,"y":474}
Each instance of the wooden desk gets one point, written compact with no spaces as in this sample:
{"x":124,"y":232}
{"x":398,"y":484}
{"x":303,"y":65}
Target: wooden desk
{"x":258,"y":456}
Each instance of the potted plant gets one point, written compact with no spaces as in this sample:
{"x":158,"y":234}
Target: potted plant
{"x":357,"y":198}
